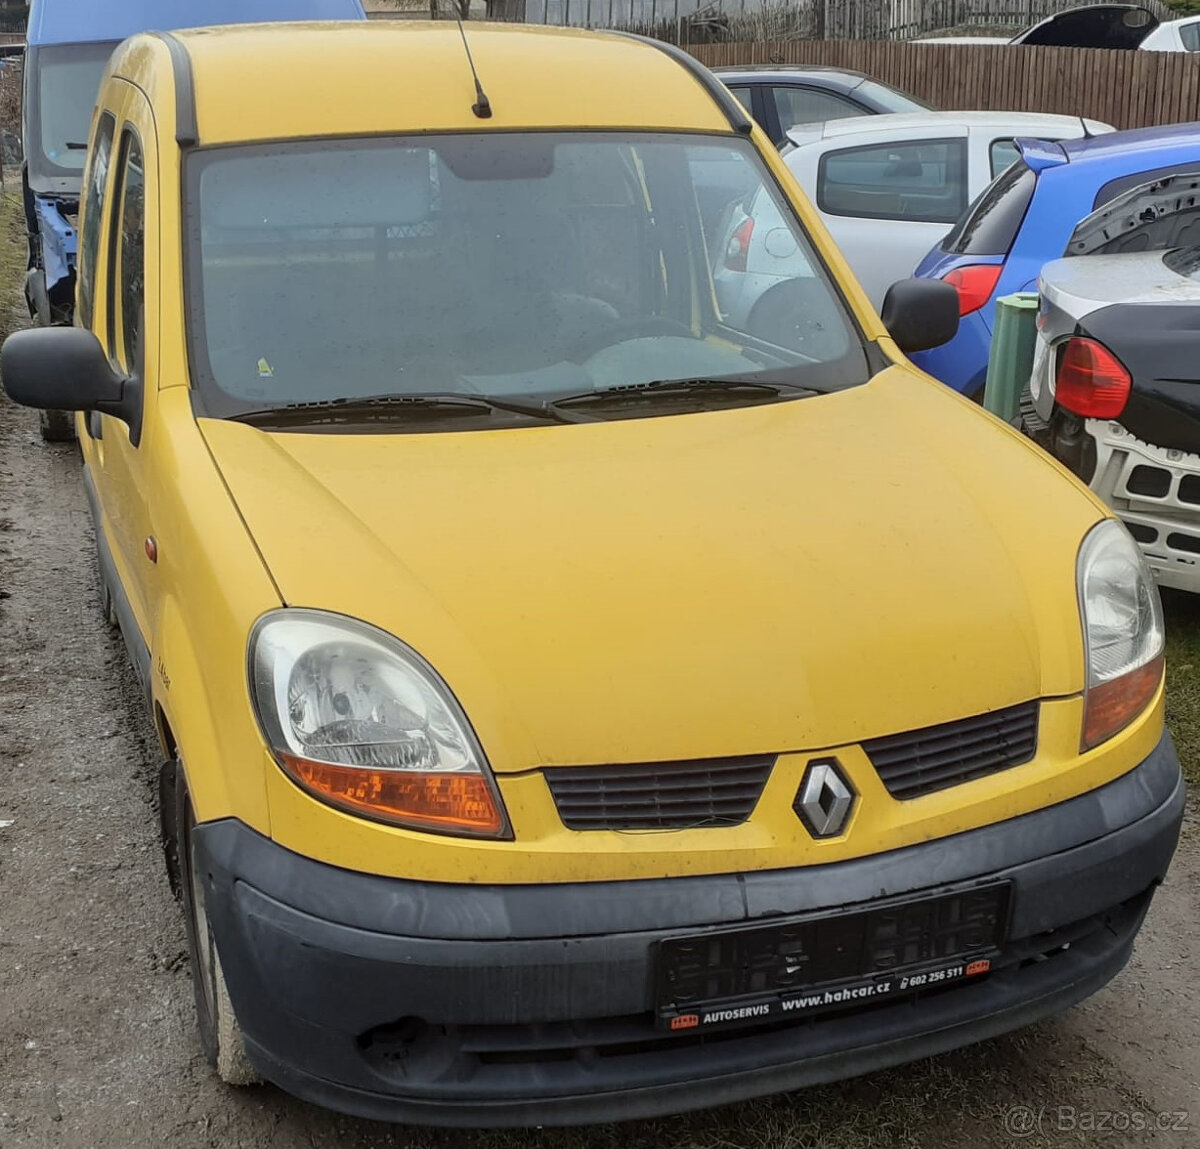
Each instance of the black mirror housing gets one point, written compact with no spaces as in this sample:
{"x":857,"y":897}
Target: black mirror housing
{"x":66,"y":369}
{"x":920,"y":313}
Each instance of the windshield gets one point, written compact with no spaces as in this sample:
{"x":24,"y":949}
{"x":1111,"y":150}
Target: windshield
{"x":538,"y":265}
{"x":68,"y":83}
{"x":890,"y":99}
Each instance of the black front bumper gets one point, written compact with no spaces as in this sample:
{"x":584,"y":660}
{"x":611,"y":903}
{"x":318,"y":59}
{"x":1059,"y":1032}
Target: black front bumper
{"x":521,"y":1005}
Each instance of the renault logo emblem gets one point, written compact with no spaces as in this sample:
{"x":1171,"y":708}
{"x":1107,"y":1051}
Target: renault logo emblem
{"x":825,"y":799}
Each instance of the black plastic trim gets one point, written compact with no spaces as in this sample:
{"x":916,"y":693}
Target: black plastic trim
{"x":139,"y":651}
{"x":739,"y":121}
{"x":187,"y":131}
{"x":999,"y":1006}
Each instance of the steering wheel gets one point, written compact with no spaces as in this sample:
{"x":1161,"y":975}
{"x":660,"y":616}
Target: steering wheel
{"x":588,"y":345}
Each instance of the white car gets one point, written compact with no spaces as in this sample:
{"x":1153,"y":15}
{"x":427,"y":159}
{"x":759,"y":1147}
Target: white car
{"x":1086,"y":26}
{"x":887,"y":187}
{"x":1174,"y":36}
{"x":1098,"y":26}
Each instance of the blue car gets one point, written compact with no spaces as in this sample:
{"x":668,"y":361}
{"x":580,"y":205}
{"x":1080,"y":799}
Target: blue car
{"x":1026,"y":217}
{"x":67,"y":47}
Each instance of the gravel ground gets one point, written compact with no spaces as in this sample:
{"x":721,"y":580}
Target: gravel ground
{"x":97,"y":1047}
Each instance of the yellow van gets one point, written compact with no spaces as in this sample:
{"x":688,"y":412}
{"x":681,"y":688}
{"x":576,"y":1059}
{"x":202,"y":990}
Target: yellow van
{"x":576,"y":706}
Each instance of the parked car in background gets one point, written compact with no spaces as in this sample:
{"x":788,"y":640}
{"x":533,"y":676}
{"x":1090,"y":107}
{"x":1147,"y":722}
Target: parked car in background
{"x":885,"y":186}
{"x":1115,"y":390}
{"x":1174,"y":36}
{"x":781,"y":97}
{"x":537,"y":747}
{"x":1119,"y":26}
{"x":936,"y":39}
{"x":1088,"y":26}
{"x":69,"y":45}
{"x":1026,"y":218}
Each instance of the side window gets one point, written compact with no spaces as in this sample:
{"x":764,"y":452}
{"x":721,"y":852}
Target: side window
{"x":810,"y":106}
{"x":1002,"y":154}
{"x":991,"y":225}
{"x":922,"y":181}
{"x":1190,"y":35}
{"x":745,"y":97}
{"x":128,"y":265}
{"x":93,"y":210}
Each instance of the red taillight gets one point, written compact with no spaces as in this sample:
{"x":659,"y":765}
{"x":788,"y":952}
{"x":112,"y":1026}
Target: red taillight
{"x":974,"y":285}
{"x":1091,"y":380}
{"x":739,"y":245}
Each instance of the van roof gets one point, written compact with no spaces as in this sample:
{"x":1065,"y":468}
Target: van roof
{"x":382,"y":77}
{"x":70,"y":22}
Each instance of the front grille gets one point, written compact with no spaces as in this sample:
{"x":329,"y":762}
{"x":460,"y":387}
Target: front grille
{"x":659,"y":795}
{"x":1152,"y":482}
{"x":1181,"y":542}
{"x":938,"y":757}
{"x":1143,"y":533}
{"x":1189,"y":489}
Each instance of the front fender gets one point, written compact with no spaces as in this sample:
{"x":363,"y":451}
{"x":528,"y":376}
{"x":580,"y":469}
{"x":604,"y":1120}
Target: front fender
{"x":207,"y":719}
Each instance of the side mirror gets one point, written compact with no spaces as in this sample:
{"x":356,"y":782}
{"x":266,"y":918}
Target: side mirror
{"x":920,"y":313}
{"x":66,"y":369}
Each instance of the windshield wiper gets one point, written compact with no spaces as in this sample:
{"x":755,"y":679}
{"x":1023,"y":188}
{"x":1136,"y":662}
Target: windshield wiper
{"x":685,"y":388}
{"x":389,"y":408}
{"x":75,"y":146}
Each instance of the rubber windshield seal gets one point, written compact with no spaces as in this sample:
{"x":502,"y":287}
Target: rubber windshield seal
{"x":187,"y":131}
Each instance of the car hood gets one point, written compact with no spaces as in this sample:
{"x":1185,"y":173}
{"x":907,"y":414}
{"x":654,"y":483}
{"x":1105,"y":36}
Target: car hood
{"x":789,"y":576}
{"x":1154,"y":216}
{"x":1092,"y":26}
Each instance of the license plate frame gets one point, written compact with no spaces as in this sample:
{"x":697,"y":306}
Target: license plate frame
{"x":755,"y":974}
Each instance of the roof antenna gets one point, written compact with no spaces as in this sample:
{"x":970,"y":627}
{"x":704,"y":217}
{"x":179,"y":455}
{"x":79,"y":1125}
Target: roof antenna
{"x":482,"y":106}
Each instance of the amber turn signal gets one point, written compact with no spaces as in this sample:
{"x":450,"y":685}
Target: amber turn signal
{"x":459,"y":803}
{"x":1113,"y":705}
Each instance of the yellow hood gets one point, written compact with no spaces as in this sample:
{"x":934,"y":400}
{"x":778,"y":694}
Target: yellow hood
{"x":783,"y":577}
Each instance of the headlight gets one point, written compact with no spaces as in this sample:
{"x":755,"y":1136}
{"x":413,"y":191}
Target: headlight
{"x":364,"y":723}
{"x":1122,"y":629}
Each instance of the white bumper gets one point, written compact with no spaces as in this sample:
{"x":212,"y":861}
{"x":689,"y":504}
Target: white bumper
{"x":1156,"y":492}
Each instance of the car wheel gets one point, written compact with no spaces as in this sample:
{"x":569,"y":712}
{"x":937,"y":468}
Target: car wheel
{"x":58,"y":426}
{"x":220,"y":1034}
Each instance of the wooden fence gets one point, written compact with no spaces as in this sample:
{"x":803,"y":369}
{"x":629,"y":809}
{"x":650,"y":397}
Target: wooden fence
{"x":1126,"y":89}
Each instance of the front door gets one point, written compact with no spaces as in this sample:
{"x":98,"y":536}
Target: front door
{"x":114,"y":282}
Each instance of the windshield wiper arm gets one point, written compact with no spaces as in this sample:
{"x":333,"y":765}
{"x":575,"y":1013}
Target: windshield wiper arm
{"x":686,"y":387}
{"x":384,"y":408}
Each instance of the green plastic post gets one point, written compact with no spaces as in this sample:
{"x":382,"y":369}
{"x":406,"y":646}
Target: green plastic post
{"x":1010,"y":359}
